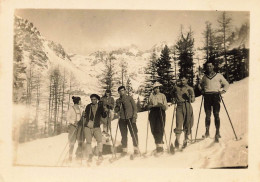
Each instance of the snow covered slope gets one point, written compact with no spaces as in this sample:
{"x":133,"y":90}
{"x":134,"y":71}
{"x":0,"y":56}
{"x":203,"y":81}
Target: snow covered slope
{"x":204,"y":154}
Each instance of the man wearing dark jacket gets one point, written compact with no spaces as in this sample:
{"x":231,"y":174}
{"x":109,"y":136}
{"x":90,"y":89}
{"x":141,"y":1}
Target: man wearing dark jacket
{"x":127,"y":110}
{"x":93,"y":114}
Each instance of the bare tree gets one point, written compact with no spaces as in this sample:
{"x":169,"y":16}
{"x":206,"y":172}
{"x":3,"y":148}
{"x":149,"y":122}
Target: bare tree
{"x":224,"y":22}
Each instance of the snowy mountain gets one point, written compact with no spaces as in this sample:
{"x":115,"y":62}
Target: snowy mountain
{"x":203,"y":154}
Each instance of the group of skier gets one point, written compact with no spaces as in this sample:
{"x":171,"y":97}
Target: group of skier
{"x":84,"y":125}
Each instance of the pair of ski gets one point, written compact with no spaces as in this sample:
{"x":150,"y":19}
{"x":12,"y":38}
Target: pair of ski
{"x":131,"y":157}
{"x":216,"y":139}
{"x":98,"y":162}
{"x":181,"y":149}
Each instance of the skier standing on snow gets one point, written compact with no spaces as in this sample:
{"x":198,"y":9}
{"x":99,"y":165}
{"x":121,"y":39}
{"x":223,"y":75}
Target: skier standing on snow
{"x":126,"y":107}
{"x":93,"y":113}
{"x":184,"y":96}
{"x":212,"y":85}
{"x":109,"y":103}
{"x":74,"y":129}
{"x":157,"y":105}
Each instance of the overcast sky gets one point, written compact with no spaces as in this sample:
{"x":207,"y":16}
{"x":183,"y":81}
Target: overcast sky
{"x":86,"y":31}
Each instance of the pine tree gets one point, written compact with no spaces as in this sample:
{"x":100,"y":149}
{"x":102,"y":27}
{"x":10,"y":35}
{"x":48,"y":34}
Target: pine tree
{"x":107,"y":78}
{"x":184,"y":49}
{"x":138,"y":105}
{"x":237,"y":53}
{"x":165,"y":73}
{"x":224,"y":22}
{"x":19,"y":71}
{"x":129,"y":88}
{"x":151,"y":75}
{"x":209,"y":42}
{"x":123,"y":70}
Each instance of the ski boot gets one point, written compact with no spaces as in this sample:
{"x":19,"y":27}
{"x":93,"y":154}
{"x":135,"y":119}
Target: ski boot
{"x":136,"y":151}
{"x":70,"y":158}
{"x":207,"y":132}
{"x":218,"y":134}
{"x":185,"y":142}
{"x":124,"y":152}
{"x":159,"y":149}
{"x":176,"y":143}
{"x":90,"y":158}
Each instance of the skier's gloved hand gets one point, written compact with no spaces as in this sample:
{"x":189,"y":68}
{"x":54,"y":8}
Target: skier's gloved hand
{"x":162,"y":106}
{"x":134,"y":120}
{"x":149,"y":106}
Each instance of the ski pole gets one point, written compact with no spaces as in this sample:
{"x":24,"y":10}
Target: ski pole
{"x":228,"y":115}
{"x":76,"y":130}
{"x":199,"y":118}
{"x":164,"y":130}
{"x":116,"y":131}
{"x":172,"y":124}
{"x":147,"y":133}
{"x":107,"y":120}
{"x":82,"y":141}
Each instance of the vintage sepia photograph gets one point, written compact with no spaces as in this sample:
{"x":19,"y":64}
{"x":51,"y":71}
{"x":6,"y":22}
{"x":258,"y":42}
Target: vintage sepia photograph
{"x":127,"y":88}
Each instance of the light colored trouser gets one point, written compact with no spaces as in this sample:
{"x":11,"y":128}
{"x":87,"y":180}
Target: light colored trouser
{"x":74,"y":134}
{"x":107,"y":121}
{"x":89,"y":133}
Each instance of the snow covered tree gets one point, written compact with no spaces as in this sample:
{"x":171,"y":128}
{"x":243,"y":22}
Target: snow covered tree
{"x":184,"y":51}
{"x":19,"y":74}
{"x":165,"y":73}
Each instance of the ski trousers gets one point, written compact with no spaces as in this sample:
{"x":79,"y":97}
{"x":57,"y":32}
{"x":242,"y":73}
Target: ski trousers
{"x":157,"y":122}
{"x":74,"y":134}
{"x":89,"y":134}
{"x":212,"y":101}
{"x":123,"y":125}
{"x":184,"y":118}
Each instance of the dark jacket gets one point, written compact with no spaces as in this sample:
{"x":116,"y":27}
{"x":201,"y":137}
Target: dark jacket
{"x":99,"y":113}
{"x":128,"y":109}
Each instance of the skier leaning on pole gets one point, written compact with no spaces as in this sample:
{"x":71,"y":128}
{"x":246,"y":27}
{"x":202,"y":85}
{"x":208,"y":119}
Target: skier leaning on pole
{"x":157,"y":105}
{"x":212,"y":85}
{"x":126,"y":107}
{"x":184,"y":96}
{"x":74,"y":129}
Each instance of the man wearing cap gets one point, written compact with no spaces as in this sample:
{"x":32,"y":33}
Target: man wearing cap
{"x":93,"y":114}
{"x":108,"y":102}
{"x":184,"y":96}
{"x":126,"y":107}
{"x":157,"y":105}
{"x":212,"y":85}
